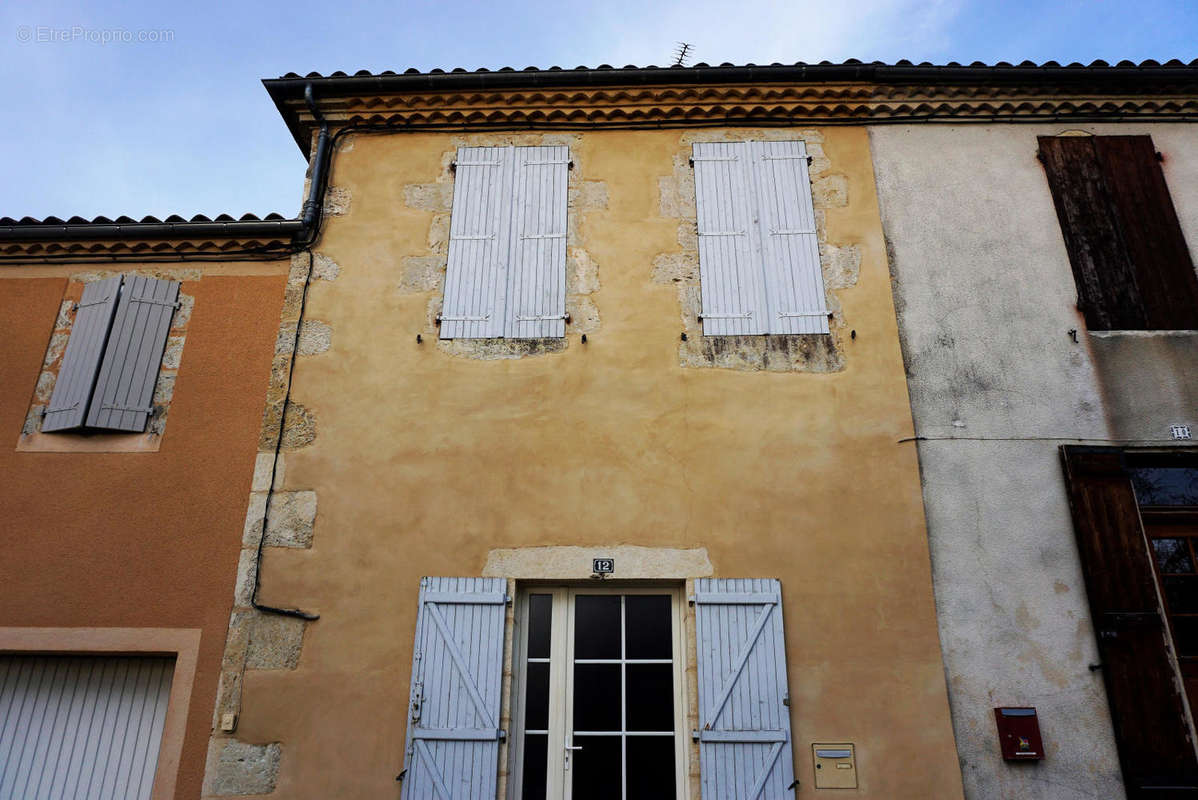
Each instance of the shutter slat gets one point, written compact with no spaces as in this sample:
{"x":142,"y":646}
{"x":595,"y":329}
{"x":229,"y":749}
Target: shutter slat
{"x":731,"y":288}
{"x":75,"y":735}
{"x":81,"y":361}
{"x":789,"y":244}
{"x":125,"y":387}
{"x":457,"y":670}
{"x":744,"y":723}
{"x":477,"y":266}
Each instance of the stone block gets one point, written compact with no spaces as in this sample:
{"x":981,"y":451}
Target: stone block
{"x":240,"y":768}
{"x":264,"y":463}
{"x":274,"y":642}
{"x":315,"y":337}
{"x":292,"y":518}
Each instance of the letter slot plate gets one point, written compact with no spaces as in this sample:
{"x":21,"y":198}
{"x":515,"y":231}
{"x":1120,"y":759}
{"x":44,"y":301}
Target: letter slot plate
{"x":835,"y":766}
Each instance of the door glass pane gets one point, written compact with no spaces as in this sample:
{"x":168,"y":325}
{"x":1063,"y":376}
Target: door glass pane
{"x":1185,"y":635}
{"x":647,"y":626}
{"x":597,"y":767}
{"x":597,"y":626}
{"x":536,"y":761}
{"x":1172,"y":555}
{"x":650,"y":689}
{"x":650,"y":767}
{"x":540,"y":616}
{"x":536,"y":713}
{"x":1165,"y":486}
{"x":1181,"y":593}
{"x":596,"y":697}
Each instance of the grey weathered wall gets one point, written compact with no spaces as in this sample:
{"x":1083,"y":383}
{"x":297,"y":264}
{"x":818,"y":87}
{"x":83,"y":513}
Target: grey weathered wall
{"x":986,"y":299}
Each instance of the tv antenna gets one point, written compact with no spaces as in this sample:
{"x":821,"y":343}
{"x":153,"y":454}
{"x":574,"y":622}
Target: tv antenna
{"x":682,"y":53}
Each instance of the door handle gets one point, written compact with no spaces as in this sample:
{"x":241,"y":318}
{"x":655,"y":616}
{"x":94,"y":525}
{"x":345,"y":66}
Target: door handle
{"x":569,"y":749}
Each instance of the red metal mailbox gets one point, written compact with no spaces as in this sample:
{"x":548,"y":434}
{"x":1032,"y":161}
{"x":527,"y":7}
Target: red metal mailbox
{"x":1019,"y":733}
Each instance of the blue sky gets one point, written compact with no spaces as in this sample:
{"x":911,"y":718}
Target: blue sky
{"x":182,"y":125}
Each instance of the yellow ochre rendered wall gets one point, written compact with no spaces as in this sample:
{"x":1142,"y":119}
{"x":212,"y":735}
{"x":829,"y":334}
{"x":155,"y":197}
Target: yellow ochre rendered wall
{"x":425,"y":460}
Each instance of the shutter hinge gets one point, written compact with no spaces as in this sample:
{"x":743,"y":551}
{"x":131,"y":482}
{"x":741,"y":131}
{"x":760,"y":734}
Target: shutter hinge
{"x":453,"y":165}
{"x":793,"y":785}
{"x":507,"y":599}
{"x":705,"y":315}
{"x":691,"y":600}
{"x":502,"y":735}
{"x":153,"y":302}
{"x":786,"y":699}
{"x":441,"y":318}
{"x":694,"y":733}
{"x":144,"y":410}
{"x":99,"y":302}
{"x":403,"y":772}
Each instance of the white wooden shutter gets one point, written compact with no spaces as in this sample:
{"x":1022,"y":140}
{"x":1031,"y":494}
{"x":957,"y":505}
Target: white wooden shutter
{"x":479,"y":248}
{"x":125,"y":386}
{"x":732,"y":288}
{"x":457,"y":668}
{"x":744,"y":719}
{"x":758,"y":250}
{"x":81,"y":726}
{"x":789,"y":246}
{"x":81,"y":361}
{"x":538,"y":272}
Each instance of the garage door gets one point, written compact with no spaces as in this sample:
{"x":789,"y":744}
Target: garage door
{"x":81,"y":726}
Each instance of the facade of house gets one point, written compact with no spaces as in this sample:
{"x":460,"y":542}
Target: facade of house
{"x":134,"y":369}
{"x":603,"y":408}
{"x":1048,"y":306}
{"x":607,"y":502}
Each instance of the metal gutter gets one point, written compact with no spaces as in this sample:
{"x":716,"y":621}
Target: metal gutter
{"x":151,"y":230}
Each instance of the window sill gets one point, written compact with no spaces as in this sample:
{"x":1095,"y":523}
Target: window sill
{"x":89,"y":443}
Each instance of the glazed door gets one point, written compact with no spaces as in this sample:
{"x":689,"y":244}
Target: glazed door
{"x":602,"y":712}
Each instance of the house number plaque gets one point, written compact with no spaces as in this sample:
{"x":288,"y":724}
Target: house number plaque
{"x":603,"y":566}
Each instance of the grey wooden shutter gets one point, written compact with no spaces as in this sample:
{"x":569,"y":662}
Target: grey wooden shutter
{"x":479,"y":250}
{"x":81,"y":726}
{"x":744,"y":719}
{"x":125,"y":387}
{"x":81,"y":361}
{"x":732,"y":286}
{"x":457,"y":668}
{"x":794,"y":282}
{"x":538,"y":272}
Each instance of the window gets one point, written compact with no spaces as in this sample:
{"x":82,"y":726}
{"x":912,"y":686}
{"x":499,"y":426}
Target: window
{"x":601,"y":681}
{"x":1129,"y":257}
{"x":506,"y":273}
{"x":759,"y":265}
{"x":106,"y":380}
{"x":77,"y":726}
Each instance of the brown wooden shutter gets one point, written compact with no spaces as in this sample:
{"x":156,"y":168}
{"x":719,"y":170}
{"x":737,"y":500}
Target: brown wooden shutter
{"x":1155,"y":244}
{"x":125,"y":387}
{"x":1142,"y":683}
{"x":1129,"y":256}
{"x":81,"y":361}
